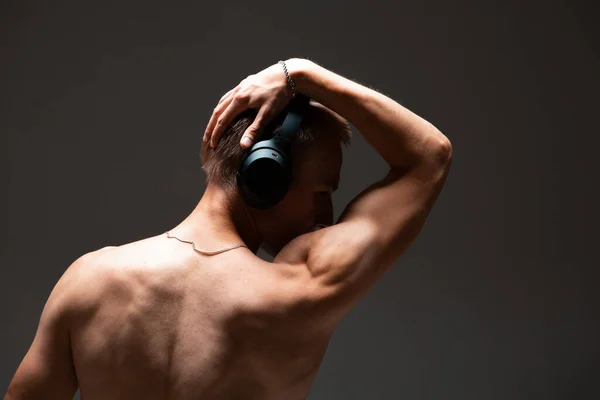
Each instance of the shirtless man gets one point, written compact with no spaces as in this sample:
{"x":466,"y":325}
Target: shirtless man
{"x":155,"y":319}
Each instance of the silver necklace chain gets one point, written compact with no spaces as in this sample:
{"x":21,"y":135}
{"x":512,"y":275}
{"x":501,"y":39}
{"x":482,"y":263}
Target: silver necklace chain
{"x":207,"y":253}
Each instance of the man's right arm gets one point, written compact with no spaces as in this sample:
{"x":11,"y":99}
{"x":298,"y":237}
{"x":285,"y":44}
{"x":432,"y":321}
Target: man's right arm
{"x":377,"y":226}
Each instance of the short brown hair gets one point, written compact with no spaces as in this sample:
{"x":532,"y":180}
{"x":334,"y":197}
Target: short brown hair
{"x":221,"y":163}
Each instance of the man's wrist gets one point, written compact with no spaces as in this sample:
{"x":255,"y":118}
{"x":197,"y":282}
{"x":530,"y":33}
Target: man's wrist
{"x":321,"y":85}
{"x":299,"y":70}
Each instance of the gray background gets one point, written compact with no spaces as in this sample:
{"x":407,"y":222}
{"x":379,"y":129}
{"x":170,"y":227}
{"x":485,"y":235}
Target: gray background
{"x":101,"y":114}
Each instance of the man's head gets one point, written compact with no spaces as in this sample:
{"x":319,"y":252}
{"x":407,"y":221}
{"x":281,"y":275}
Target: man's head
{"x":317,"y":160}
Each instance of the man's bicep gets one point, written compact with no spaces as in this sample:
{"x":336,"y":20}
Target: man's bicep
{"x":47,"y":369}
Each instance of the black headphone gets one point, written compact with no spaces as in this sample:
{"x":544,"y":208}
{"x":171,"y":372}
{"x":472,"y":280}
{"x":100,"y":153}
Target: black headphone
{"x":265,"y":171}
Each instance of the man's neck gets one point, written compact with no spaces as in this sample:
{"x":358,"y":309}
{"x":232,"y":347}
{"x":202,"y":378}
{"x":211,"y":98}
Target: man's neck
{"x":219,"y":221}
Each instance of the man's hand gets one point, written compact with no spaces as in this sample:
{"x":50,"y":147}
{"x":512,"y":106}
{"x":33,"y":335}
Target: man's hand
{"x":267,"y":91}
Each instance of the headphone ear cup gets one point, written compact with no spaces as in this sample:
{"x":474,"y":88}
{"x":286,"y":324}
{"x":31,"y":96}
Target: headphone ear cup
{"x":264,"y":176}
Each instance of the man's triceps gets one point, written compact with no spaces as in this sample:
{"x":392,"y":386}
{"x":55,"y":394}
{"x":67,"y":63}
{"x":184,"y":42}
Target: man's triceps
{"x":374,"y":230}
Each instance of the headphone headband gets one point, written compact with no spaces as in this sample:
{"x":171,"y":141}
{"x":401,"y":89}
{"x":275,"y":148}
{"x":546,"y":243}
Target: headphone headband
{"x":293,"y":118}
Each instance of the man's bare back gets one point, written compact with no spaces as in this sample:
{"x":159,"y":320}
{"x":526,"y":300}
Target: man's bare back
{"x":166,"y":322}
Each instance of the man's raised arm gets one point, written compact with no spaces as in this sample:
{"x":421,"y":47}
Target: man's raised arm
{"x":382,"y":221}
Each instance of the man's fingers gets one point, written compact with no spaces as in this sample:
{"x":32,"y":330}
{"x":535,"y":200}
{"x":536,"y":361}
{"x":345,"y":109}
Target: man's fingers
{"x":214,"y":117}
{"x":226,"y":95}
{"x":261,"y":119}
{"x":222,"y":121}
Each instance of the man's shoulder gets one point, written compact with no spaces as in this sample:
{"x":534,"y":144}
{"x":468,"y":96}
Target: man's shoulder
{"x":94,"y":263}
{"x":79,"y":290}
{"x":91,"y":269}
{"x":102,"y":269}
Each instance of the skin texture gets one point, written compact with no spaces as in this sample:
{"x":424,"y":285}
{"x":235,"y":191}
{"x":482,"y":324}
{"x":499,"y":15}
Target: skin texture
{"x":154,"y":319}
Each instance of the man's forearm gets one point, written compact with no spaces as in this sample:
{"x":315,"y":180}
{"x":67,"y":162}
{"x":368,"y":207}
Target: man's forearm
{"x":400,"y":136}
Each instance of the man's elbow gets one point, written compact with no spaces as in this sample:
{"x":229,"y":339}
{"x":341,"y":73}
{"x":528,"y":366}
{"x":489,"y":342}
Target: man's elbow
{"x":438,"y":153}
{"x":444,"y":151}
